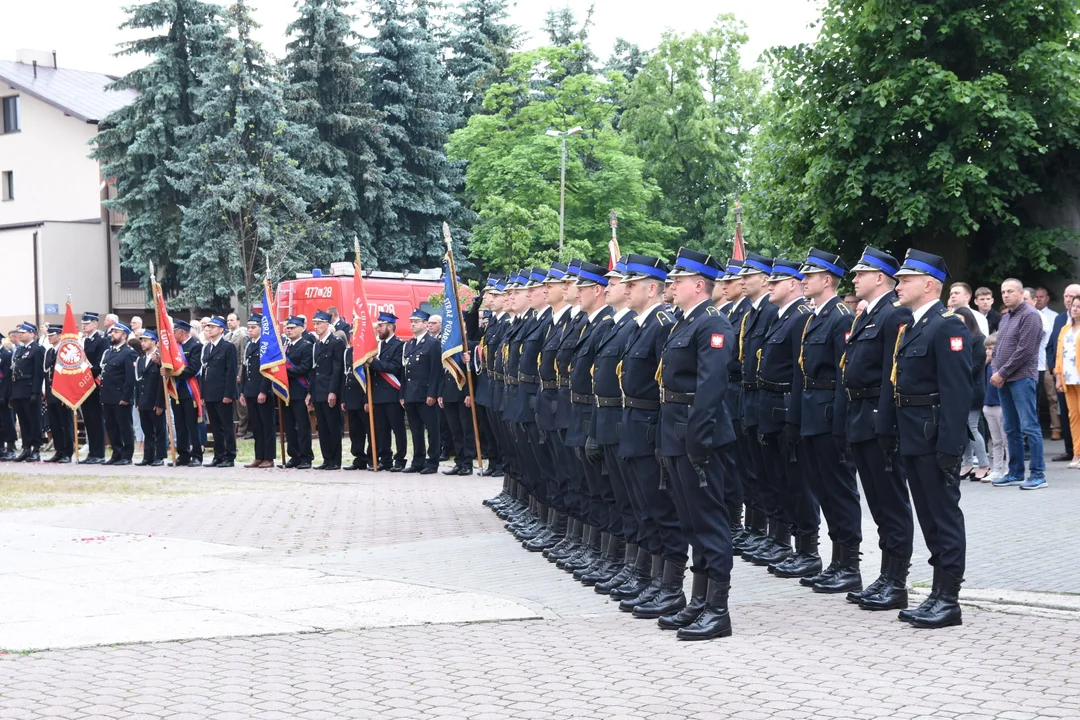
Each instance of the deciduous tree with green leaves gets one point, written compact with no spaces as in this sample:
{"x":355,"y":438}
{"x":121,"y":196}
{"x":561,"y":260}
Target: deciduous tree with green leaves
{"x":938,"y":125}
{"x":512,"y":176}
{"x":690,"y":113}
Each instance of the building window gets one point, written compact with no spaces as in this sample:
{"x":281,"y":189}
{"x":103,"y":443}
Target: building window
{"x":7,"y":185}
{"x":11,"y":114}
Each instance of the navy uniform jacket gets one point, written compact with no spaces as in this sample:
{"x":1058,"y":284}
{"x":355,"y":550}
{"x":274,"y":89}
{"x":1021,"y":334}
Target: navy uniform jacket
{"x":638,"y":429}
{"x":512,"y":362}
{"x":778,"y":364}
{"x":27,"y":371}
{"x":531,"y":340}
{"x":423,"y":369}
{"x":581,"y":368}
{"x":219,"y":371}
{"x":481,"y":363}
{"x":868,"y":364}
{"x":327,"y":374}
{"x":5,"y":374}
{"x":389,"y":361}
{"x":49,"y":366}
{"x":563,"y":356}
{"x":298,"y":353}
{"x":821,"y":406}
{"x":752,"y":329}
{"x":695,"y":360}
{"x":94,"y":347}
{"x":118,"y":375}
{"x":933,"y":357}
{"x":354,"y":394}
{"x":493,"y":362}
{"x":449,"y":390}
{"x":608,"y":357}
{"x":547,"y":402}
{"x":193,"y":354}
{"x":252,"y":382}
{"x":735,"y":313}
{"x":149,"y":390}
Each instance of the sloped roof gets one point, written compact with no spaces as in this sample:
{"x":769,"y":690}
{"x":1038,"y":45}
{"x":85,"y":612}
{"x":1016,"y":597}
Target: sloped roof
{"x":78,"y":93}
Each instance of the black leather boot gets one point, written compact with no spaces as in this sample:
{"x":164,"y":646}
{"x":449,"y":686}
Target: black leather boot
{"x":656,"y":578}
{"x":670,"y":599}
{"x":738,"y":532}
{"x":589,"y":555}
{"x":847,"y":576}
{"x":693,"y":609}
{"x":568,"y":544}
{"x":604,"y":587}
{"x":780,"y":550}
{"x":714,"y":621}
{"x":874,"y":587}
{"x":834,"y":565}
{"x":757,"y":531}
{"x":555,"y":532}
{"x":587,"y":533}
{"x":613,"y":563}
{"x":892,"y":595}
{"x":598,"y":558}
{"x":804,"y":562}
{"x":638,"y":580}
{"x":944,"y":611}
{"x":544,"y":516}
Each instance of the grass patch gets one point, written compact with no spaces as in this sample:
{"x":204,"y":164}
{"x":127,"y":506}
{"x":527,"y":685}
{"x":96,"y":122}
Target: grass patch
{"x":19,"y":492}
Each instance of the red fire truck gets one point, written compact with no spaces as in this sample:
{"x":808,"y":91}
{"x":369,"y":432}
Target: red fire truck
{"x":399,"y":293}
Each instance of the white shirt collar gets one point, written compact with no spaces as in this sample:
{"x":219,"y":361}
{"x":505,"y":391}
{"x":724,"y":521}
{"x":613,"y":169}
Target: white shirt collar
{"x":918,"y":314}
{"x":640,"y":318}
{"x":619,"y":315}
{"x":691,"y":310}
{"x":875,"y":302}
{"x":556,"y":315}
{"x":757,"y":303}
{"x":422,"y":336}
{"x":594,"y":313}
{"x":790,"y":303}
{"x":574,"y":310}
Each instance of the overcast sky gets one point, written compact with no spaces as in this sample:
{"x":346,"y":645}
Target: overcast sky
{"x":84,"y":34}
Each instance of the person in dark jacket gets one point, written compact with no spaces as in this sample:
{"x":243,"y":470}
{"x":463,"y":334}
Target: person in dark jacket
{"x":976,"y":461}
{"x":189,"y":446}
{"x":297,"y":422}
{"x":385,"y":402}
{"x":60,"y":418}
{"x":422,"y":359}
{"x":94,"y":345}
{"x":355,"y":402}
{"x":256,"y":395}
{"x":27,"y":382}
{"x":150,"y":401}
{"x":118,"y":393}
{"x":327,"y":377}
{"x":219,"y":371}
{"x":8,"y":433}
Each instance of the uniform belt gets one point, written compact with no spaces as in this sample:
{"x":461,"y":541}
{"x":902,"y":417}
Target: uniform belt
{"x":609,"y":401}
{"x":667,"y":396}
{"x":534,"y":379}
{"x":863,"y":393}
{"x":775,"y":387}
{"x":510,"y":380}
{"x":564,"y":382}
{"x":811,"y":384}
{"x":641,"y":403}
{"x":917,"y":400}
{"x":735,"y":376}
{"x":580,"y":399}
{"x":549,"y":384}
{"x":749,"y":386}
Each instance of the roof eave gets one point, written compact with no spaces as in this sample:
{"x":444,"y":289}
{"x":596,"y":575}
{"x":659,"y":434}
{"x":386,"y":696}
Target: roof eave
{"x":38,"y":96}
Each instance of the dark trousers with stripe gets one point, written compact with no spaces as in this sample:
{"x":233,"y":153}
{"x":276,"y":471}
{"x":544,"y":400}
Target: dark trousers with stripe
{"x":261,"y":424}
{"x":62,"y":424}
{"x":155,"y":435}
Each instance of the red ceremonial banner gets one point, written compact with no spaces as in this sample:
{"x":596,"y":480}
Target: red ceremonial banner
{"x":73,"y":380}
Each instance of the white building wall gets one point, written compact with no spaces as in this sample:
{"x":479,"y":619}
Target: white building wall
{"x":17,"y":278}
{"x":54,"y":177}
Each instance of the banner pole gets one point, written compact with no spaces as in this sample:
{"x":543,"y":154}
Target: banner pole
{"x":164,"y":380}
{"x":464,"y":342}
{"x":371,"y":421}
{"x":75,"y":432}
{"x":281,"y":429}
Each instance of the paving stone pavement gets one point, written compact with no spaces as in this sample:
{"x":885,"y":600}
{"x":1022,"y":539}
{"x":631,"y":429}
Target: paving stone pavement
{"x":794,"y":654}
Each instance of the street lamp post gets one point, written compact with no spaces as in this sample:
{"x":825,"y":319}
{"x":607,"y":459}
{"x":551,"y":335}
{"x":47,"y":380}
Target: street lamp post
{"x":562,"y":179}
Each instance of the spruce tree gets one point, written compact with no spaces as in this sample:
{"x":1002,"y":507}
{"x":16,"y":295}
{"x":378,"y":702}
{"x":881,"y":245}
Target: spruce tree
{"x":250,"y":196}
{"x":482,"y":43}
{"x":326,"y":92}
{"x":562,"y":29}
{"x":137,"y":142}
{"x":407,"y":84}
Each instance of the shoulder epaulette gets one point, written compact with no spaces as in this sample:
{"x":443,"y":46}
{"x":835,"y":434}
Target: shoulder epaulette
{"x":948,"y":313}
{"x":896,"y":304}
{"x":843,"y":309}
{"x":610,"y":317}
{"x":711,"y":310}
{"x":663,"y":318}
{"x":804,"y":310}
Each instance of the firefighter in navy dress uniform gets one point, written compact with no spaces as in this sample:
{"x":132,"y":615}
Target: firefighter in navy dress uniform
{"x":327,"y":378}
{"x":8,"y":433}
{"x":150,"y":402}
{"x":697,"y":440}
{"x":422,"y":358}
{"x":742,"y":485}
{"x":94,"y":345}
{"x":189,"y":449}
{"x":386,"y":373}
{"x":932,"y":388}
{"x":297,"y":421}
{"x":60,"y":418}
{"x":257,"y":394}
{"x":220,"y":367}
{"x":118,"y":393}
{"x":867,"y":370}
